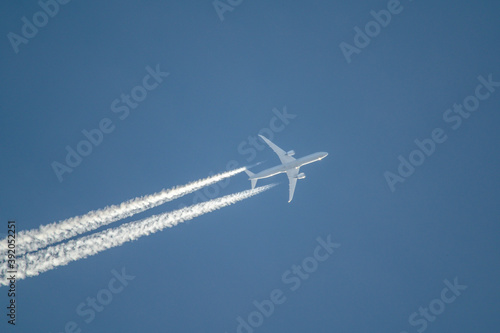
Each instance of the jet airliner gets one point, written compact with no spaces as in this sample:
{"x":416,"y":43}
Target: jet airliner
{"x":289,"y":164}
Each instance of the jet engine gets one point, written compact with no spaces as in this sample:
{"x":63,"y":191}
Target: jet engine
{"x":301,"y":175}
{"x":290,"y":153}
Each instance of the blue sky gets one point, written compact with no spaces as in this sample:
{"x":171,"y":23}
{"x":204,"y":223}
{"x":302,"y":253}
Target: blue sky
{"x":225,"y":79}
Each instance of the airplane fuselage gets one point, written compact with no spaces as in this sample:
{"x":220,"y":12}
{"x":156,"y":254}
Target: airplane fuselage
{"x":290,"y":165}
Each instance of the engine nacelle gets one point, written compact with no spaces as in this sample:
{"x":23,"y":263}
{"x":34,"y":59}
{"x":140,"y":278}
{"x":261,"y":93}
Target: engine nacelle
{"x":290,"y":153}
{"x":301,"y":175}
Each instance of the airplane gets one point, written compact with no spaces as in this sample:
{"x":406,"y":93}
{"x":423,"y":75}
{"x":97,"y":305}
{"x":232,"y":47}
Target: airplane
{"x":288,"y":164}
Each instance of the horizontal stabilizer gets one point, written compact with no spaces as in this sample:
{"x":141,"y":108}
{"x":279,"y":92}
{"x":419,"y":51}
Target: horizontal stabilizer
{"x":249,"y":173}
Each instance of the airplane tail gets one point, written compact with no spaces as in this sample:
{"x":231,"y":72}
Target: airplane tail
{"x":250,"y":175}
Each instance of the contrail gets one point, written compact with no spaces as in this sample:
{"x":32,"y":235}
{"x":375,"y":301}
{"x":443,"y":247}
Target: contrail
{"x":46,"y":259}
{"x":34,"y":239}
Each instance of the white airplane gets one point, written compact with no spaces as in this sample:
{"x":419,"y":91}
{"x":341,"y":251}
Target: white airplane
{"x":289,"y":165}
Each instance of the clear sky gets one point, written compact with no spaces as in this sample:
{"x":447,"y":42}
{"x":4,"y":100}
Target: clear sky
{"x":363,"y":97}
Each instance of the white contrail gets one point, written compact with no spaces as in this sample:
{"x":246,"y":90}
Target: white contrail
{"x":34,"y":239}
{"x":46,"y":259}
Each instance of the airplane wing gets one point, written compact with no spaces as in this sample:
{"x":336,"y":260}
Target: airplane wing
{"x":284,"y":158}
{"x":292,"y":179}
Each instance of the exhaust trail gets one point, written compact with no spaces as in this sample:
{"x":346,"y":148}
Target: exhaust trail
{"x":34,"y":239}
{"x":33,"y":264}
